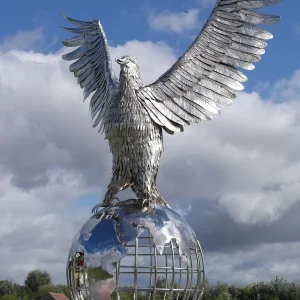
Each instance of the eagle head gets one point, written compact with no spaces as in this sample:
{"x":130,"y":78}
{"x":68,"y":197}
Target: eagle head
{"x":129,"y":70}
{"x":127,"y":62}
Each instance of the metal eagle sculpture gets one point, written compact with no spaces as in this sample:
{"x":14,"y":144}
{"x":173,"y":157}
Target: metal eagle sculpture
{"x":133,"y":117}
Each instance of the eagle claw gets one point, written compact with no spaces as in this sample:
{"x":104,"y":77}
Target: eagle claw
{"x":146,"y":203}
{"x":103,"y":204}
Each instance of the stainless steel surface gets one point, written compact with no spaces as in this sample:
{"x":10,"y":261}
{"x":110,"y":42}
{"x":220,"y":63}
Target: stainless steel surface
{"x":132,"y":116}
{"x":150,"y":252}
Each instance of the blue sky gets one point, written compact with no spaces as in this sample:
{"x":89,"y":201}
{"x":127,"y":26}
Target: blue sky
{"x":236,"y":178}
{"x":127,"y":20}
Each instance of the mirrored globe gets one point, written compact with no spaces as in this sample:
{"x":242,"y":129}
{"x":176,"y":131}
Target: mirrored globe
{"x":131,"y":252}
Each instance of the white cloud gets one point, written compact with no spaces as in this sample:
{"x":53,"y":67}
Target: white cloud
{"x":259,"y":263}
{"x":174,"y":21}
{"x":154,"y":58}
{"x":50,"y":155}
{"x":287,"y":89}
{"x":37,"y":226}
{"x":262,"y":206}
{"x":247,"y":159}
{"x":24,"y":39}
{"x":205,"y":3}
{"x":182,"y":210}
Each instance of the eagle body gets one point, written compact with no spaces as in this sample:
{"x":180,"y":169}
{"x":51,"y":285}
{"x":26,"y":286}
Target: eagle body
{"x":135,"y":141}
{"x":205,"y":77}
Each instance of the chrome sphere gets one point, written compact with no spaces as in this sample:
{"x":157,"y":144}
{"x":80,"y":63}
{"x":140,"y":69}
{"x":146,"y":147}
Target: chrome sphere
{"x":126,"y":251}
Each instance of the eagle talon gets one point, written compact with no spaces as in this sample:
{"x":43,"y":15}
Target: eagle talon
{"x":98,"y":206}
{"x":104,"y":204}
{"x":115,"y":198}
{"x":146,"y":203}
{"x":95,"y":208}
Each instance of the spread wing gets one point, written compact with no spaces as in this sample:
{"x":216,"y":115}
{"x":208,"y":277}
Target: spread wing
{"x":208,"y":74}
{"x":92,"y":67}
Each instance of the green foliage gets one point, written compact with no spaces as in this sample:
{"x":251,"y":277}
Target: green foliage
{"x":38,"y":285}
{"x":9,"y":297}
{"x":220,"y":291}
{"x":8,"y":287}
{"x":123,"y":295}
{"x":36,"y":278}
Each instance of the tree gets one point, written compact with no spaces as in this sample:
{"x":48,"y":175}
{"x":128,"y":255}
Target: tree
{"x":24,"y":293}
{"x":9,"y":297}
{"x":123,"y":296}
{"x":36,"y":278}
{"x":278,"y":287}
{"x":216,"y":292}
{"x":207,"y":291}
{"x":222,"y":292}
{"x":293,"y":290}
{"x":8,"y":287}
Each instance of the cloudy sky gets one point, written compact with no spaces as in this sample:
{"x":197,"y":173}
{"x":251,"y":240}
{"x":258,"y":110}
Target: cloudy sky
{"x":236,"y":178}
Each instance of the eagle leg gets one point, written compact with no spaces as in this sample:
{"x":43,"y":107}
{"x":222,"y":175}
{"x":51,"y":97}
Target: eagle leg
{"x":115,"y":186}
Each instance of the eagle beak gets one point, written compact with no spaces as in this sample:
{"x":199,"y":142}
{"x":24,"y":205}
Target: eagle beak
{"x":119,"y":61}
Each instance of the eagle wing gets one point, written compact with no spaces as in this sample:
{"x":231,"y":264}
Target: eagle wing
{"x":208,"y":74}
{"x":92,"y":67}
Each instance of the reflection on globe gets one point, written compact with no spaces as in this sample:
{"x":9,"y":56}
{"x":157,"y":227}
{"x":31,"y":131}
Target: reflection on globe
{"x":126,"y":252}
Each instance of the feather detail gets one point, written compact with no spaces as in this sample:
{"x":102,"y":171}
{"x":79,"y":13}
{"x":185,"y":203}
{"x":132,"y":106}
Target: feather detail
{"x":208,"y":73}
{"x":92,"y":66}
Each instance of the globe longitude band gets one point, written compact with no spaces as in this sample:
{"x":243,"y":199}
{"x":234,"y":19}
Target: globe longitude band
{"x":142,"y":246}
